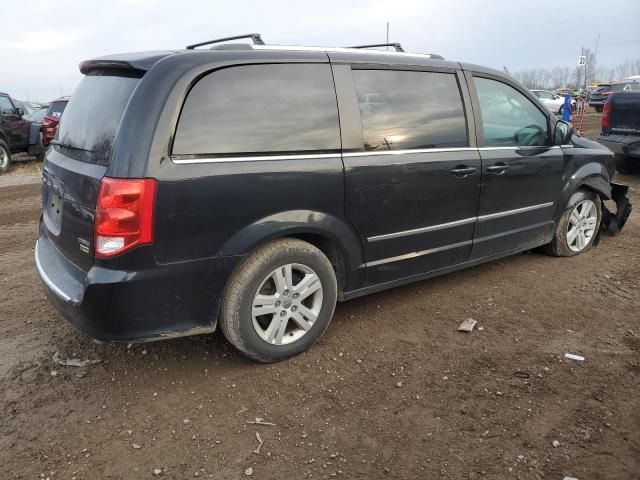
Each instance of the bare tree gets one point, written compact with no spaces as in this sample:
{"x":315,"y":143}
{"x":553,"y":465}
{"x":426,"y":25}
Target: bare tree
{"x":564,"y":76}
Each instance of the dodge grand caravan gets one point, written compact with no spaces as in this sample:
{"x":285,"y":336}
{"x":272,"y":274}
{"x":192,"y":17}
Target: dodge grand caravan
{"x":253,"y":186}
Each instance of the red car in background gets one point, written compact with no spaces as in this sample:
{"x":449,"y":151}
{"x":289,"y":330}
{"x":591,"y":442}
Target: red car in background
{"x":52,"y":118}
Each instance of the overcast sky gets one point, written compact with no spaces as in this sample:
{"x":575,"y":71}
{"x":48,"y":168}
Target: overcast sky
{"x":42,"y":42}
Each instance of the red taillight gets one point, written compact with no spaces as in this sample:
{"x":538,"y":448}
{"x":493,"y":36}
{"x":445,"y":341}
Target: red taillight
{"x":49,"y":122}
{"x":124,"y":215}
{"x":605,"y":93}
{"x":606,"y":114}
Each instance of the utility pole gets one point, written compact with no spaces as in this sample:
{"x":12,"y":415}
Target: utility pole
{"x":595,"y":54}
{"x":585,"y":70}
{"x":387,"y":35}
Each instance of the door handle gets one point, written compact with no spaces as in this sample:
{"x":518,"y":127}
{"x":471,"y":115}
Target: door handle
{"x":462,"y":171}
{"x":498,"y":168}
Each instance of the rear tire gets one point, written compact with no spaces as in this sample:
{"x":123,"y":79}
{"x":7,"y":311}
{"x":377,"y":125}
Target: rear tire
{"x":279,"y":301}
{"x":623,"y":163}
{"x":578,"y":226}
{"x":5,"y":157}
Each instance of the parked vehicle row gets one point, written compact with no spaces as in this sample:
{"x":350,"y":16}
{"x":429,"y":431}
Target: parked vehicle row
{"x":27,"y":127}
{"x":253,"y":186}
{"x":17,"y":134}
{"x":600,"y":94}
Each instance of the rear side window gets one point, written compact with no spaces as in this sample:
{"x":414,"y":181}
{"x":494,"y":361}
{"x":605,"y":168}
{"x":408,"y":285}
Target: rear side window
{"x":260,"y":109}
{"x":92,"y":116}
{"x":410,"y":110}
{"x":56,"y":108}
{"x":508,"y":117}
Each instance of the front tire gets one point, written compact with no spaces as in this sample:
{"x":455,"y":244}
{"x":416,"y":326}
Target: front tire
{"x":5,"y":157}
{"x":279,"y":301}
{"x":578,"y":226}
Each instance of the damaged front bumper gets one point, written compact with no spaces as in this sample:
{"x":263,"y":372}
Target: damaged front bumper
{"x":612,"y":223}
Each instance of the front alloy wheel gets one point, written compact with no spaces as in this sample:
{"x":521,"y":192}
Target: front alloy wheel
{"x":578,"y":226}
{"x":583,"y":222}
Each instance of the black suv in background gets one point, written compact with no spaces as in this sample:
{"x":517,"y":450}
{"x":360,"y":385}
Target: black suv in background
{"x":16,"y":133}
{"x":600,"y":94}
{"x":621,"y":128}
{"x":253,"y":186}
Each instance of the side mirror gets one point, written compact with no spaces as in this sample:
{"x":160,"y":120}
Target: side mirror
{"x":562,"y":133}
{"x":20,"y":111}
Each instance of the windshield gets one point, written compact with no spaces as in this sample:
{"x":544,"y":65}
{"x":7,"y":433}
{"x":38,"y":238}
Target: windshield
{"x":92,"y":117}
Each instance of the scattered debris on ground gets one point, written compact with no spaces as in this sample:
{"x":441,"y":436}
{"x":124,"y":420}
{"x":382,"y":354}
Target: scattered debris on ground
{"x":573,"y":356}
{"x":73,"y":362}
{"x":467,"y":325}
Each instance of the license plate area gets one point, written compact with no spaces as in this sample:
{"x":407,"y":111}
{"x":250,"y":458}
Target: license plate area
{"x":53,"y":204}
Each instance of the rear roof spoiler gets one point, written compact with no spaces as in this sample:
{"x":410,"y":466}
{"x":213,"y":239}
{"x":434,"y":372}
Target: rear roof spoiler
{"x":134,"y":62}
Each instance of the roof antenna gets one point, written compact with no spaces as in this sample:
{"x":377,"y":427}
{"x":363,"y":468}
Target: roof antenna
{"x":387,"y":36}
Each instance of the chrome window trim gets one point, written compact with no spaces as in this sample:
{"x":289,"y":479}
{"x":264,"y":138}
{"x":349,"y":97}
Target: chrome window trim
{"x":416,"y":231}
{"x":257,"y":158}
{"x":518,"y":147}
{"x":58,"y":291}
{"x":409,"y":151}
{"x":298,"y":156}
{"x":506,"y":213}
{"x":417,"y":254}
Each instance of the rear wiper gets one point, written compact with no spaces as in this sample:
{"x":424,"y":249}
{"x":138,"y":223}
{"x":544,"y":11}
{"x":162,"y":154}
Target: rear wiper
{"x":65,"y":145}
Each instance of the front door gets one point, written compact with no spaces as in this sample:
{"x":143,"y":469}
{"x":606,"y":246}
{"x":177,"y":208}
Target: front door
{"x":521,"y":171}
{"x":412,"y":191}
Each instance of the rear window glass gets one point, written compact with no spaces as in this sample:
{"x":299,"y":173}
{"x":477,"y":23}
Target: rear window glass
{"x":56,"y":108}
{"x":257,"y":109}
{"x":407,"y":110}
{"x":92,"y":116}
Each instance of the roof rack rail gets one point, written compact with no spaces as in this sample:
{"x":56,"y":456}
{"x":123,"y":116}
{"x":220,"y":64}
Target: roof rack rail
{"x":397,"y":46}
{"x":257,"y":40}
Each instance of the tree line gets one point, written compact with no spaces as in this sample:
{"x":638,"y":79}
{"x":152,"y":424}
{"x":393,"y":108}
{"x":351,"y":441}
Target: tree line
{"x":573,"y":77}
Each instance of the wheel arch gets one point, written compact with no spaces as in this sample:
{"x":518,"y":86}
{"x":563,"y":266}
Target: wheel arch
{"x":592,"y":176}
{"x":332,"y":235}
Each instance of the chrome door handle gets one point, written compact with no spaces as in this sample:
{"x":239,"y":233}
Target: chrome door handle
{"x":462,"y":171}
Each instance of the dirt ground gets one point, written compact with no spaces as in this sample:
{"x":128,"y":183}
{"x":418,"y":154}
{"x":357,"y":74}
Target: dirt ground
{"x":392,"y":390}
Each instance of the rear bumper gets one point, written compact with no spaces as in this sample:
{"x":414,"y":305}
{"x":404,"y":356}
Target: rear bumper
{"x":628,"y":145}
{"x":114,"y":305}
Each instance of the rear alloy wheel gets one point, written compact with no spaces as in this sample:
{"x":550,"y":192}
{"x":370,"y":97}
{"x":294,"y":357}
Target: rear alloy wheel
{"x":279,"y":301}
{"x":287,"y":304}
{"x":578,"y":226}
{"x":5,"y":157}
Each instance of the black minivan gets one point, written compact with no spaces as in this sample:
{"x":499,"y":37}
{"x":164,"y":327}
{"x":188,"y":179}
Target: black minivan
{"x":254,"y":186}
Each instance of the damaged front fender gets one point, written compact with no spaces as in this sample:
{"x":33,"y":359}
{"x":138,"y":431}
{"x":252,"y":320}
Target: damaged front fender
{"x":612,"y":223}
